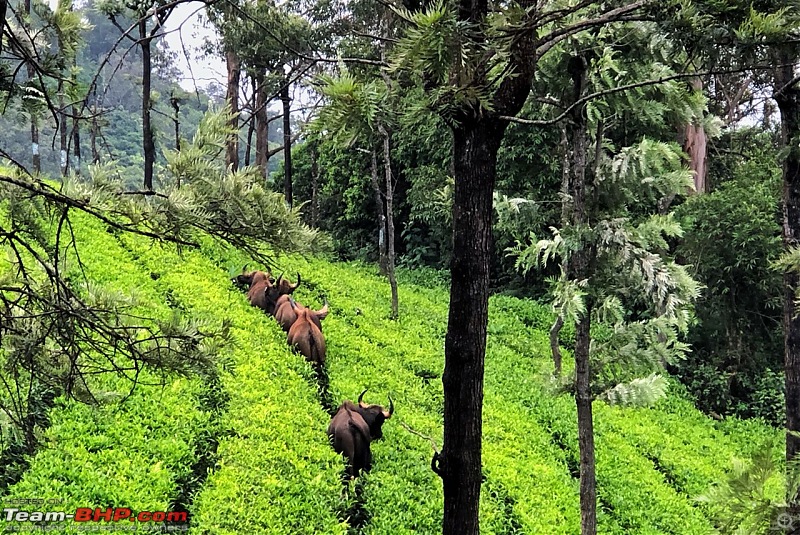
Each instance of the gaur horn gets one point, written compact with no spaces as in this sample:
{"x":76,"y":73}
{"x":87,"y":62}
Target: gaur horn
{"x":360,"y":397}
{"x":278,"y":282}
{"x":244,"y":268}
{"x":388,"y":415}
{"x":294,"y":287}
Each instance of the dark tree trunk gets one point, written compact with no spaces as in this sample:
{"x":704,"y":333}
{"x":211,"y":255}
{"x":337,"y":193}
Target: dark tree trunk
{"x":148,"y":143}
{"x":232,"y":98}
{"x":475,"y":146}
{"x":36,"y":159}
{"x":62,"y":130}
{"x":555,"y":329}
{"x":262,"y":125}
{"x":788,"y":99}
{"x":94,"y":130}
{"x":376,"y":187}
{"x":387,"y":166}
{"x":176,"y":107}
{"x":579,"y":268}
{"x":251,"y":126}
{"x":287,"y":143}
{"x":3,"y":9}
{"x":314,"y":184}
{"x":76,"y":141}
{"x":583,"y":400}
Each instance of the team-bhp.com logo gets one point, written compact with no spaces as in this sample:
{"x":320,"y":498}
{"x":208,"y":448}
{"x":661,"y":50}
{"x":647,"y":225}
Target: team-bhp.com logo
{"x":87,"y":514}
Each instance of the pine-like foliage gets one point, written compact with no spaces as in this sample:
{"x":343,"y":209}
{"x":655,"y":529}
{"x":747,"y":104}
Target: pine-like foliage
{"x":57,"y":330}
{"x":201,"y":197}
{"x":744,"y":502}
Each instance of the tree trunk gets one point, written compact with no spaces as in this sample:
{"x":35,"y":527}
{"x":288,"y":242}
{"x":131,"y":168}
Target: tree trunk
{"x":314,"y":185}
{"x":62,"y":128}
{"x":250,"y":129}
{"x":788,"y":99}
{"x":475,"y":146}
{"x":232,"y":98}
{"x":554,"y":347}
{"x":583,"y":400}
{"x":287,"y":143}
{"x":3,"y":9}
{"x":148,"y":143}
{"x":76,"y":141}
{"x":262,"y":126}
{"x":387,"y":166}
{"x":376,"y":187}
{"x":579,"y":268}
{"x":176,"y":106}
{"x":694,"y":135}
{"x":35,"y":157}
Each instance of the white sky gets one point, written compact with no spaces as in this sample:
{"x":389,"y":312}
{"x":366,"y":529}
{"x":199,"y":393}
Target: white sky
{"x":186,"y":30}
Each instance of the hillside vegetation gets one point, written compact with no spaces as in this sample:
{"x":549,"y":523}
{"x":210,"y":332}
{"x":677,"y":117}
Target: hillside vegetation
{"x":243,"y":447}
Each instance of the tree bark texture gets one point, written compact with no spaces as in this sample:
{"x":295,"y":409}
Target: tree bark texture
{"x":695,"y":145}
{"x":76,"y":141}
{"x":475,"y":146}
{"x":314,"y":185}
{"x":579,"y":268}
{"x":788,"y":99}
{"x":555,"y":329}
{"x":376,"y":187}
{"x":262,"y":126}
{"x":36,"y":159}
{"x":287,"y":143}
{"x":62,"y":130}
{"x":148,"y":143}
{"x":233,"y":67}
{"x":387,"y":167}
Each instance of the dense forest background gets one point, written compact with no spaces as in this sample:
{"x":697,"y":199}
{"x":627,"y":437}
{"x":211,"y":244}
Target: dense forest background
{"x":731,"y":228}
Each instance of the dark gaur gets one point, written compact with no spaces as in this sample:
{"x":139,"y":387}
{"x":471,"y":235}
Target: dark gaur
{"x":353,"y":428}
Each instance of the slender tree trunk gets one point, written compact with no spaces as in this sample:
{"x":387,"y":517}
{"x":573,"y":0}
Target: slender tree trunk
{"x":694,"y":135}
{"x":287,"y":143}
{"x":579,"y":268}
{"x":148,"y":143}
{"x":583,"y":400}
{"x":387,"y":166}
{"x":232,"y":98}
{"x":314,"y":185}
{"x":94,"y":131}
{"x":262,"y":125}
{"x":3,"y":9}
{"x":176,"y":107}
{"x":250,"y":129}
{"x":62,"y":129}
{"x":475,"y":146}
{"x":554,"y":347}
{"x":35,"y":157}
{"x":76,"y":141}
{"x":788,"y":99}
{"x":376,"y":187}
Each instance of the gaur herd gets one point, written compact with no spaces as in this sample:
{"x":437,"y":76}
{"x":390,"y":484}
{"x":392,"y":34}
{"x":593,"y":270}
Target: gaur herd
{"x":353,"y":426}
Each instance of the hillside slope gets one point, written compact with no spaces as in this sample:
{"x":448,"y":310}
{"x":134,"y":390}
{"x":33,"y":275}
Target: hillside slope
{"x":243,"y":448}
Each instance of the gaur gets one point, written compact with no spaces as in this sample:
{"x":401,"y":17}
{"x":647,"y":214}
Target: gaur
{"x":353,"y":428}
{"x":286,"y":315}
{"x":305,"y":335}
